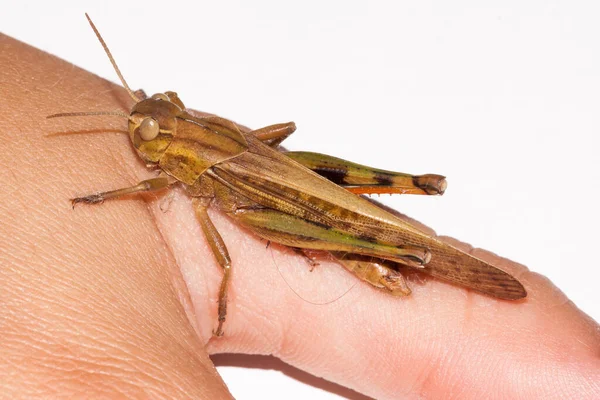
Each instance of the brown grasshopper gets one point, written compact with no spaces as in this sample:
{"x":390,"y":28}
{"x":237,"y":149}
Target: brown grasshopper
{"x":303,"y":200}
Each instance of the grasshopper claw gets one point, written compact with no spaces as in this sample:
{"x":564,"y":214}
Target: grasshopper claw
{"x":90,"y":199}
{"x":219,"y":331}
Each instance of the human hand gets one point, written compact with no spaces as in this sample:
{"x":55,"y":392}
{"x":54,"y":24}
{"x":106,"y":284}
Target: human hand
{"x":118,"y":300}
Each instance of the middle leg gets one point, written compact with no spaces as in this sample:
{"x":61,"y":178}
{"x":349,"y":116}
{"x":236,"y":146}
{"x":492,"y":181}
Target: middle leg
{"x":219,"y":249}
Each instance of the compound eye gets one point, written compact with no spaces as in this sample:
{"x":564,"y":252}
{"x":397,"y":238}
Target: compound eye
{"x":149,"y":128}
{"x":160,"y":96}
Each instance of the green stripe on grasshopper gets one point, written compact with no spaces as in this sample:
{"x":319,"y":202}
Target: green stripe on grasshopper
{"x":292,"y":231}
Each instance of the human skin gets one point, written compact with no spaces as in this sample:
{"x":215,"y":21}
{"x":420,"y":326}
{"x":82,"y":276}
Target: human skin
{"x":119,"y":299}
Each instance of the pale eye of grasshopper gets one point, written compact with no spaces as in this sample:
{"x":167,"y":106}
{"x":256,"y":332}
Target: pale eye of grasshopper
{"x":160,"y":96}
{"x":149,"y":128}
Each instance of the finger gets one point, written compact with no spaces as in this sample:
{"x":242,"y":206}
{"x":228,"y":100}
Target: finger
{"x":91,"y":302}
{"x":440,"y":338}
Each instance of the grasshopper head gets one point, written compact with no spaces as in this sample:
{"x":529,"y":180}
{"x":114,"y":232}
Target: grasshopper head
{"x":152,"y":124}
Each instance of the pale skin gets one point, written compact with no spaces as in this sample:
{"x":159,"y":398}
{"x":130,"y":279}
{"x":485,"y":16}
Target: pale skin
{"x":119,"y":299}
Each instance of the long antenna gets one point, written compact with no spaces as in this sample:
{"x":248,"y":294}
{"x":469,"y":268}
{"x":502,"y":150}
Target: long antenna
{"x":112,"y":60}
{"x":87,"y":113}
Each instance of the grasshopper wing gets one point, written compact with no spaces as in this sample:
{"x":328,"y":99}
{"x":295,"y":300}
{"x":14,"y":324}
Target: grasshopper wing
{"x":275,"y":181}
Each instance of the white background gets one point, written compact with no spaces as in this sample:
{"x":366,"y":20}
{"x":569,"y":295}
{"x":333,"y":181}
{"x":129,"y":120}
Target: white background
{"x":502,"y":97}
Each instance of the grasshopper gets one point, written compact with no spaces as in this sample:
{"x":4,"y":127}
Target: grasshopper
{"x":303,"y":200}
